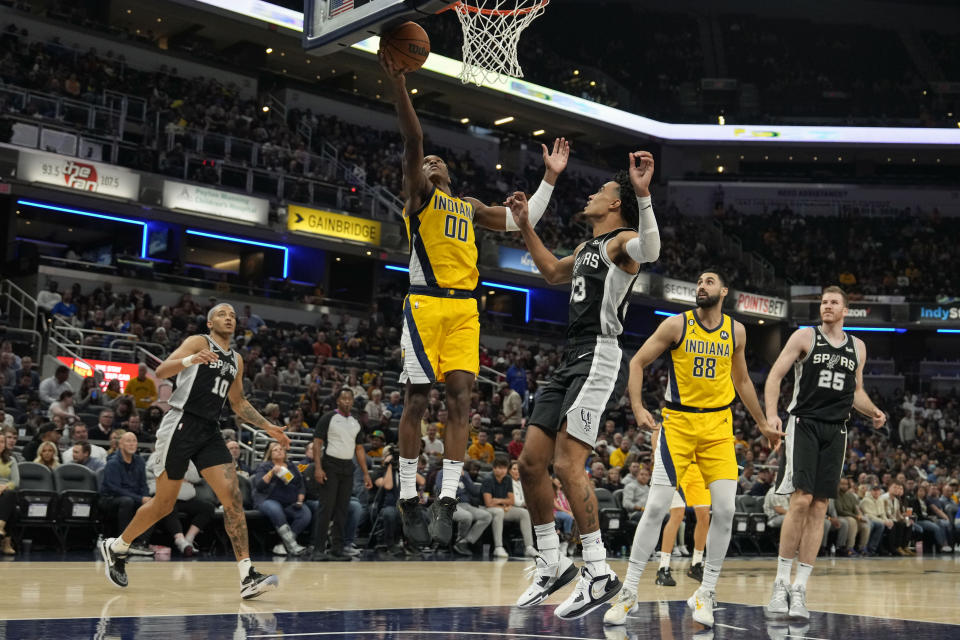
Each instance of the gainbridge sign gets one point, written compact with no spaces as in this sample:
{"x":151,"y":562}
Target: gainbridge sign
{"x":336,"y":225}
{"x":79,"y":174}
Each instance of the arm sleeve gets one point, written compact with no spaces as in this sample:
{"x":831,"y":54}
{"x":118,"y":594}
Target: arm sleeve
{"x":537,"y":204}
{"x":645,"y":247}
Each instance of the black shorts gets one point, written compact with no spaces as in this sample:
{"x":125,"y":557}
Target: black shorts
{"x":812,"y":457}
{"x":590,"y":375}
{"x":183,"y":437}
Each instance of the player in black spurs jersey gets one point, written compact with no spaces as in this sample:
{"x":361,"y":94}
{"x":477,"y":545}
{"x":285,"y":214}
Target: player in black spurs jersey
{"x":567,"y":415}
{"x":828,"y":382}
{"x":208,"y":373}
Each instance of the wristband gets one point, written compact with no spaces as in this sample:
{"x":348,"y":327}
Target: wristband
{"x":188,"y":361}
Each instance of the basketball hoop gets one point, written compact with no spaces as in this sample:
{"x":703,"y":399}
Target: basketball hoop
{"x":491,"y":31}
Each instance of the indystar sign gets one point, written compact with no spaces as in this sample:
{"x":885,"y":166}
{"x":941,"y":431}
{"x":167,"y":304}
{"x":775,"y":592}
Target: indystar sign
{"x":939,"y":314}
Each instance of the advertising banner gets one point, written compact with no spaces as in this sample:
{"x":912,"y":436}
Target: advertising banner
{"x":223,"y":204}
{"x":335,"y":225}
{"x":82,"y":175}
{"x":756,"y":304}
{"x":122,"y":371}
{"x":517,"y":260}
{"x":679,"y":291}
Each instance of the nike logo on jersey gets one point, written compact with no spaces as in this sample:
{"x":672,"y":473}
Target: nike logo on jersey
{"x":849,"y":349}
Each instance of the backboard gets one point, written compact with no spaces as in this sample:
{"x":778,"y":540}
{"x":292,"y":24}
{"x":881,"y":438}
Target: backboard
{"x":329,"y":25}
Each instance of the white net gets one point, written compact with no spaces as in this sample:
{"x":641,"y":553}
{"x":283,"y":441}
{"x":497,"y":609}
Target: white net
{"x":491,"y":31}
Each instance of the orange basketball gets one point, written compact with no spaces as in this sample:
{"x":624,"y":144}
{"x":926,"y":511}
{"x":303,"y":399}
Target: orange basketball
{"x":407,"y":45}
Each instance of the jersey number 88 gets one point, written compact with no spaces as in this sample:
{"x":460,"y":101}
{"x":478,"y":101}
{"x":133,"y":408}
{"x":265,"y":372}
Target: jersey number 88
{"x":704,"y":367}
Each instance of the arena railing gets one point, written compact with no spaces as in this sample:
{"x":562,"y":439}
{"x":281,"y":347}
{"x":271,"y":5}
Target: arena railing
{"x":78,"y":338}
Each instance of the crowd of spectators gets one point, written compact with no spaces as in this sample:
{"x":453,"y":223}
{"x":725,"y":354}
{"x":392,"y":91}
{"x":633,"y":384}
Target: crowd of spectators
{"x":909,"y":253}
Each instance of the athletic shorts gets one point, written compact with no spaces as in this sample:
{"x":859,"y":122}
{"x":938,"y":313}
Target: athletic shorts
{"x":692,"y":492}
{"x":441,"y":333}
{"x":580,"y":389}
{"x":812,"y":457}
{"x":704,"y":438}
{"x":183,"y":437}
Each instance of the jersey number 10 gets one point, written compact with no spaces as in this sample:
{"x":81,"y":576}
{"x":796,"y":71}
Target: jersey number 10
{"x":220,"y":386}
{"x":456,"y":228}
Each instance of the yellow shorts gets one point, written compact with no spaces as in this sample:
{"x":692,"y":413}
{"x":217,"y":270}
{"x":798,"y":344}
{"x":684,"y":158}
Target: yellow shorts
{"x":692,"y":491}
{"x":704,"y":438}
{"x":440,"y":335}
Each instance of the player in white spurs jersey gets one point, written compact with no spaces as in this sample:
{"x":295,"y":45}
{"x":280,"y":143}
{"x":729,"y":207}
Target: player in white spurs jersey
{"x":567,"y":416}
{"x":208,"y":373}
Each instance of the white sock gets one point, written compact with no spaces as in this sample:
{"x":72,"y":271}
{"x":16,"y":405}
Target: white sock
{"x":244,"y":567}
{"x":711,"y":573}
{"x":784,"y":565}
{"x":665,"y":559}
{"x":594,"y":553}
{"x":119,"y":546}
{"x":451,"y":478}
{"x":697,"y":556}
{"x":548,"y":542}
{"x":803,"y":572}
{"x":408,"y":478}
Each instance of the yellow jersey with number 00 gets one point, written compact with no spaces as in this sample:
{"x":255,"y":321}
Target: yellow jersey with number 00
{"x":443,"y":246}
{"x":699,"y":365}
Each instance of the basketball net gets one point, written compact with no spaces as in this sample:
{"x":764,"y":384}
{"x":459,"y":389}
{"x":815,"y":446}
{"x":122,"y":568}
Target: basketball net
{"x":491,"y":31}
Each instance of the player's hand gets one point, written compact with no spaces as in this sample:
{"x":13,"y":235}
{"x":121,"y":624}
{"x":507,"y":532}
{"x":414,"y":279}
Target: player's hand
{"x":641,"y":172}
{"x":394,"y":73}
{"x":556,"y":161}
{"x":879,"y":418}
{"x":772,"y":430}
{"x":517,"y":203}
{"x":277,"y":434}
{"x":205,"y":356}
{"x":645,"y":419}
{"x":320,"y":475}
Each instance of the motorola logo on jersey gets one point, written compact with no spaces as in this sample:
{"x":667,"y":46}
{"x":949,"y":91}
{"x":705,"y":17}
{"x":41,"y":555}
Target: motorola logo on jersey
{"x":724,"y":335}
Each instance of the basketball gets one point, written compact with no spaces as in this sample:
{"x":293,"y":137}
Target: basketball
{"x":407,"y":45}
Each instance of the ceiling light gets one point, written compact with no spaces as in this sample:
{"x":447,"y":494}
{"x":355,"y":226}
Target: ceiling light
{"x":503,"y":120}
{"x":464,"y":120}
{"x":269,"y":50}
{"x":576,"y":72}
{"x":539,"y":132}
{"x":266,"y":108}
{"x":159,"y":19}
{"x":720,"y":169}
{"x":414,"y":91}
{"x":593,"y":83}
{"x":499,"y":166}
{"x":721,"y":120}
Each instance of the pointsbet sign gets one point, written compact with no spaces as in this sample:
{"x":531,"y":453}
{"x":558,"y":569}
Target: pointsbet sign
{"x":335,"y":225}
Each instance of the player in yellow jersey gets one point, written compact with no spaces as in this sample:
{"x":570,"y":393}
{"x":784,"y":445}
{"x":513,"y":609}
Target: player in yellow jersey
{"x":441,"y":328}
{"x":706,"y":369}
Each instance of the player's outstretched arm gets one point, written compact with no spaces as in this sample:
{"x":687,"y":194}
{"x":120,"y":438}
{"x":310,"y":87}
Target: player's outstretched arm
{"x":414,"y":182}
{"x":242,"y":407}
{"x":796,"y":348}
{"x":861,"y":401}
{"x":645,"y":247}
{"x":499,"y":218}
{"x":193,"y":350}
{"x":666,"y":335}
{"x":744,"y":386}
{"x":553,"y":270}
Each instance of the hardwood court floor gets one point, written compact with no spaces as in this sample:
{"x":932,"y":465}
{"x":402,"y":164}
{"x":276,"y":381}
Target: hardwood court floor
{"x":921,"y":589}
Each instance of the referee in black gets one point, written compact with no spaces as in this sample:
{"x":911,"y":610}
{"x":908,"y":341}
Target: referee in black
{"x":333,"y":470}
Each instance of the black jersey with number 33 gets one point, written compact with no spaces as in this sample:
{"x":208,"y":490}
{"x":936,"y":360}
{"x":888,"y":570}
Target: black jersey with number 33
{"x":825,"y":380}
{"x":599,"y":291}
{"x":202,"y":388}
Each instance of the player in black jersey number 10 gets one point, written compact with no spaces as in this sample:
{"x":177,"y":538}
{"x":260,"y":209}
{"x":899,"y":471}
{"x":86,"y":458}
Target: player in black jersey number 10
{"x":828,"y":383}
{"x":208,"y":374}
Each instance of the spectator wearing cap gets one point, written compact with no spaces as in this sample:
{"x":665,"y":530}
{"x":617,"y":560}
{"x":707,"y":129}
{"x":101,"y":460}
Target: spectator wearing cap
{"x":375,"y":448}
{"x":511,"y":407}
{"x":79,"y":435}
{"x":51,"y":388}
{"x":142,"y":388}
{"x":47,"y":432}
{"x":481,"y":450}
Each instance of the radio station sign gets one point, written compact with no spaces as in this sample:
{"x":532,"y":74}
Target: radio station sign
{"x":517,"y":260}
{"x":122,"y":371}
{"x":223,"y":204}
{"x":335,"y":225}
{"x":81,"y":175}
{"x":679,"y":291}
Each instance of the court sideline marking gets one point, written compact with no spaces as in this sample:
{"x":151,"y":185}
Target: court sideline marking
{"x":391,"y":631}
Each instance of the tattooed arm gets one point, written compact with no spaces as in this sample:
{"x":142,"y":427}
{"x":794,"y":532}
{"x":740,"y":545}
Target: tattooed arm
{"x":242,"y":407}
